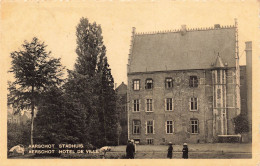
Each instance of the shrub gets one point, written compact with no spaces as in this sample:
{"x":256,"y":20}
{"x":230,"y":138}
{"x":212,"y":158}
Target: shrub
{"x":241,"y":124}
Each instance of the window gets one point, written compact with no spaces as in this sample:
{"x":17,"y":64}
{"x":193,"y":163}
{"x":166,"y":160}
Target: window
{"x":193,"y":104}
{"x":218,"y":77}
{"x":136,"y":126}
{"x":149,"y":127}
{"x":149,"y":84}
{"x":149,"y":141}
{"x":149,"y":105}
{"x":169,"y":126}
{"x":168,"y":83}
{"x":136,"y":84}
{"x":194,"y":124}
{"x":169,"y":104}
{"x":218,"y":93}
{"x":136,"y":105}
{"x":193,"y":81}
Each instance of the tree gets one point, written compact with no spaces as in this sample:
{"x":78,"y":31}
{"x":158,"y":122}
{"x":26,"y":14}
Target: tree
{"x":108,"y":99}
{"x":17,"y":134}
{"x":58,"y":120}
{"x":83,"y":83}
{"x":90,"y":84}
{"x":34,"y":71}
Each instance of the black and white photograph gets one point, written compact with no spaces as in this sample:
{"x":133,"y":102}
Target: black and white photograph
{"x":120,"y":80}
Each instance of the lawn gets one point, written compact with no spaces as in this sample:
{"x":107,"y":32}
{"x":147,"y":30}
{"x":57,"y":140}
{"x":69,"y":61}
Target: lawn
{"x":216,"y":147}
{"x":196,"y":151}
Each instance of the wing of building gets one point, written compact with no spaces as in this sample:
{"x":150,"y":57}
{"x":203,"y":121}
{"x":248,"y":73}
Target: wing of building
{"x":183,"y":85}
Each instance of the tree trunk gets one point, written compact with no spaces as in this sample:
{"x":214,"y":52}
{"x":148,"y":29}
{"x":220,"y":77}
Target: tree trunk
{"x":32,"y":118}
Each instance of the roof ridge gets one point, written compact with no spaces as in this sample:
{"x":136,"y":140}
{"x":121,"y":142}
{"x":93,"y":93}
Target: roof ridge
{"x":187,"y":30}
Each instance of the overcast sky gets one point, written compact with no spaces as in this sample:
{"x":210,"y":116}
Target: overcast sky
{"x":55,"y":24}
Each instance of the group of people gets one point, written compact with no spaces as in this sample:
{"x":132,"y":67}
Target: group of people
{"x":130,"y":150}
{"x":185,"y":151}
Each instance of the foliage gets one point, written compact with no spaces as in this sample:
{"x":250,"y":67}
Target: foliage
{"x":83,"y":109}
{"x":241,"y":124}
{"x":90,"y":85}
{"x":18,"y":134}
{"x":34,"y":71}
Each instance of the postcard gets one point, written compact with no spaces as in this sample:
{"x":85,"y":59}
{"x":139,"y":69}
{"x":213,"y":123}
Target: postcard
{"x":128,"y":82}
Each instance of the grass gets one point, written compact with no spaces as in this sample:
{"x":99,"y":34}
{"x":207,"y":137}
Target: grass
{"x":196,"y":151}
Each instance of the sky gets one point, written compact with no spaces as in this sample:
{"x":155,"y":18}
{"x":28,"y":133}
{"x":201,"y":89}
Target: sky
{"x":55,"y":24}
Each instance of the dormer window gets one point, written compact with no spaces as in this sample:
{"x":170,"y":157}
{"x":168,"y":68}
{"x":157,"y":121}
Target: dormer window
{"x":193,"y":81}
{"x":168,"y":83}
{"x":149,"y":84}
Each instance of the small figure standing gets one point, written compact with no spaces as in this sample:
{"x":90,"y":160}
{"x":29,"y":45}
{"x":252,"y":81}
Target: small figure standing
{"x":170,"y":149}
{"x":130,"y":150}
{"x":185,"y":151}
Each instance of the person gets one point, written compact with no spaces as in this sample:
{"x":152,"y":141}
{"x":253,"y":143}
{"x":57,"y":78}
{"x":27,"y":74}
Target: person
{"x":133,"y":142}
{"x":170,"y":149}
{"x":185,"y":151}
{"x":130,"y":150}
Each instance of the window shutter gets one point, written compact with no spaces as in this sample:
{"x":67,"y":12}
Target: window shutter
{"x":190,"y":104}
{"x":145,"y":107}
{"x":152,"y":105}
{"x":197,"y":104}
{"x":165,"y":126}
{"x":165,"y":83}
{"x":173,"y":124}
{"x":139,"y":104}
{"x":190,"y":82}
{"x":172,"y":104}
{"x":165,"y":104}
{"x":132,"y":84}
{"x":189,"y":127}
{"x":132,"y":105}
{"x":153,"y":127}
{"x":145,"y":127}
{"x":140,"y":126}
{"x":133,"y":126}
{"x":198,"y":126}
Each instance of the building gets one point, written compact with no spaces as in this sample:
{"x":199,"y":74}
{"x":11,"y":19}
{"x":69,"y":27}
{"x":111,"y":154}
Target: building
{"x":246,"y":89}
{"x":12,"y":117}
{"x":183,"y":85}
{"x":121,"y":106}
{"x":20,"y":117}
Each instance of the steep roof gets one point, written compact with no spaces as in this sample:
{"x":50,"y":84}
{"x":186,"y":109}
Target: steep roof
{"x":218,"y":63}
{"x":182,"y":50}
{"x":121,"y":89}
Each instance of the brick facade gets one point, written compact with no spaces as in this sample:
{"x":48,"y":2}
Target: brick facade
{"x":181,"y":115}
{"x":204,"y":95}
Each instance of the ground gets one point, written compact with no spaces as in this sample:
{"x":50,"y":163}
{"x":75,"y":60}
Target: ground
{"x":196,"y":151}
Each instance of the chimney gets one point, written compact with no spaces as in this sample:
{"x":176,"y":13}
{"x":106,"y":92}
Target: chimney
{"x":248,"y":50}
{"x":133,"y":30}
{"x":217,"y":26}
{"x":183,"y":29}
